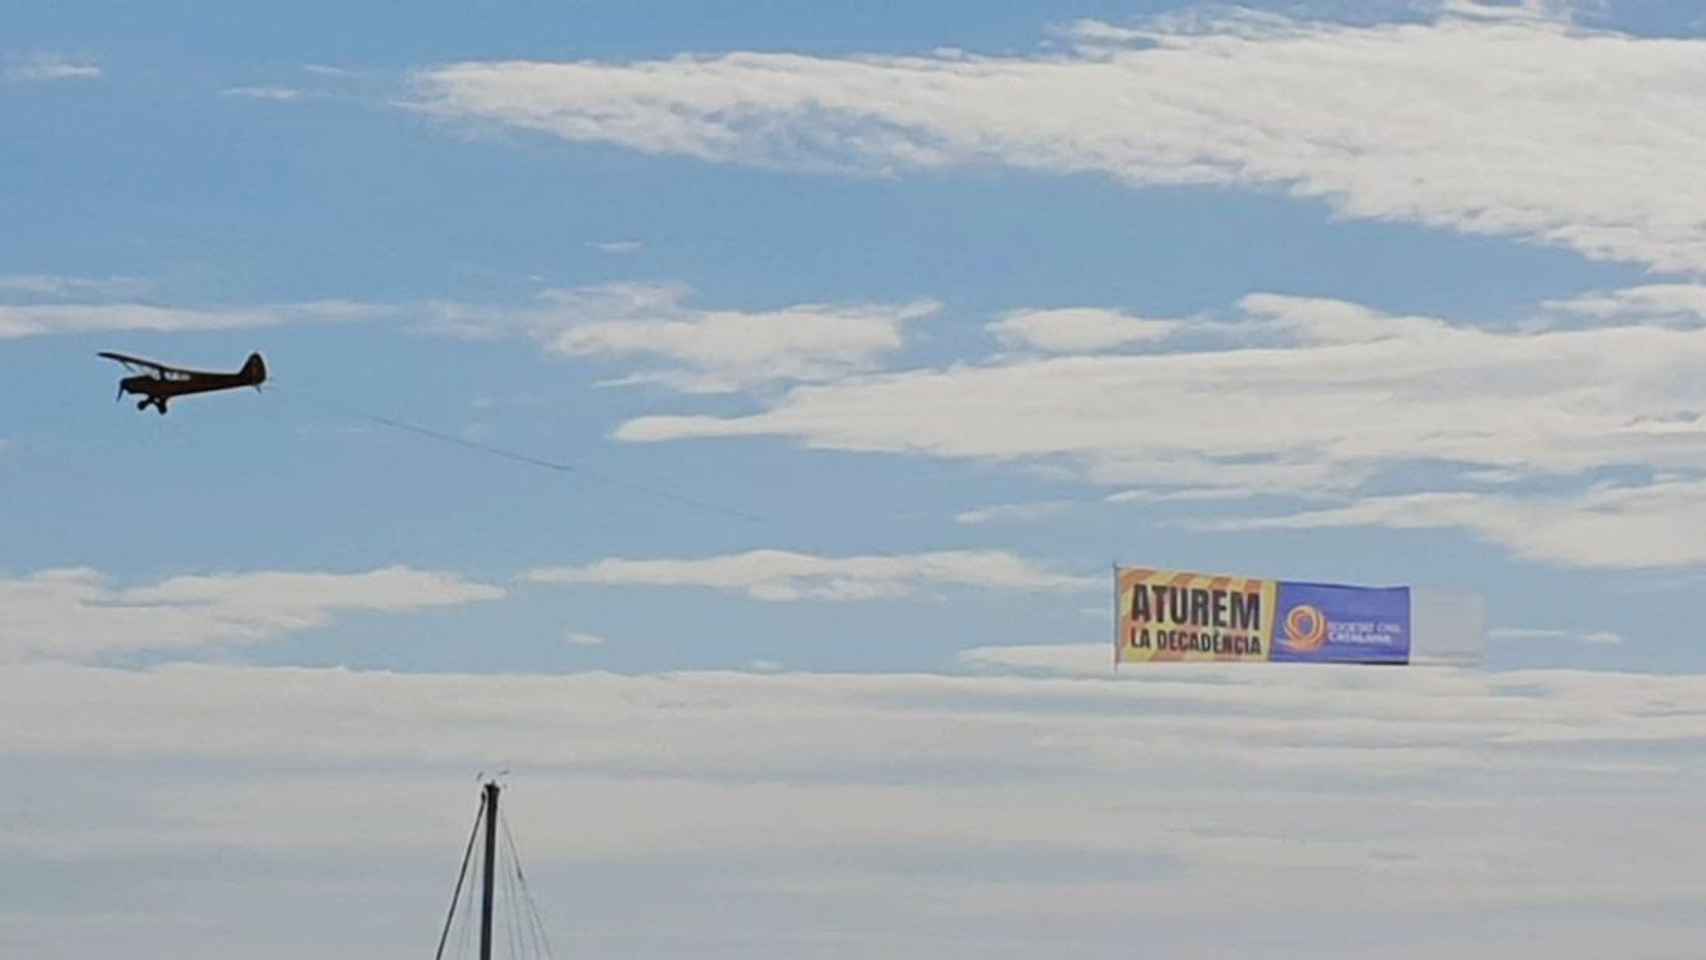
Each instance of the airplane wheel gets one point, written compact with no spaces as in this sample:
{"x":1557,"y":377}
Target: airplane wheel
{"x":142,"y":406}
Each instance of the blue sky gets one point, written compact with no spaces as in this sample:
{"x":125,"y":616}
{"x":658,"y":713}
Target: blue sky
{"x":936,"y":311}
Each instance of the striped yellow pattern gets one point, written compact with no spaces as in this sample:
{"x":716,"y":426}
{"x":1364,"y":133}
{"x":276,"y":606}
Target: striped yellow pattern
{"x":1128,"y":647}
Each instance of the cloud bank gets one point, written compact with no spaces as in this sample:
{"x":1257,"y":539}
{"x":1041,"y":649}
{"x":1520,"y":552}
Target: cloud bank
{"x":1436,"y":799}
{"x":1478,"y":121}
{"x":1311,"y":397}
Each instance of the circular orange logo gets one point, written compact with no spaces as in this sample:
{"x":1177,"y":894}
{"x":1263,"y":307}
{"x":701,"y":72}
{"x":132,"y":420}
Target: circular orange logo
{"x":1305,"y":628}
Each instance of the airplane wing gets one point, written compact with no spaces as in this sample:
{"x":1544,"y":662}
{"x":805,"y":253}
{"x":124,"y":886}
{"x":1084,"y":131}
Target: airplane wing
{"x":168,"y":373}
{"x":134,"y":362}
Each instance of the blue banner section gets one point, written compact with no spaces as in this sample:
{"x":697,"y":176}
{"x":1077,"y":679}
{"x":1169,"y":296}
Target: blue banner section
{"x":1327,"y":623}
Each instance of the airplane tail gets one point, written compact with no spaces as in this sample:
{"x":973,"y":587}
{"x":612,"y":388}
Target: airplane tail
{"x":255,"y":370}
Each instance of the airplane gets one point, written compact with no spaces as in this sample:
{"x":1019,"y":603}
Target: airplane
{"x":165,"y":382}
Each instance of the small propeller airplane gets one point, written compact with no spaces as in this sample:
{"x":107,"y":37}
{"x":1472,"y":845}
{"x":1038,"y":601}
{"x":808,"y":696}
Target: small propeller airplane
{"x":163,"y":383}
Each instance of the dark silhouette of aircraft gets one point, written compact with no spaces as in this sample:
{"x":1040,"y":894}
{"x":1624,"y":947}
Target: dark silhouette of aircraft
{"x":163,"y":382}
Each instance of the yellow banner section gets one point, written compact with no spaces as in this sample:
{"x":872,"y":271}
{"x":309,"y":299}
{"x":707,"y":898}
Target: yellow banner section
{"x":1168,"y":615}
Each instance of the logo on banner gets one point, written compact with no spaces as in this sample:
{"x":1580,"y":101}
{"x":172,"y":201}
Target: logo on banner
{"x":1305,"y":628}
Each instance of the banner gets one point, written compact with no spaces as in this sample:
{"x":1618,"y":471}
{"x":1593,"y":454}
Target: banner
{"x":1169,"y":615}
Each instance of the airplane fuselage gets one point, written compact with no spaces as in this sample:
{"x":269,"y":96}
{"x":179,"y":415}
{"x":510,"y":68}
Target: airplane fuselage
{"x":157,"y":390}
{"x":153,"y":387}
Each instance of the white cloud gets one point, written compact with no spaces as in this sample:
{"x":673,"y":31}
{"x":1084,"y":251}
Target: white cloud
{"x":77,"y":614}
{"x":56,"y":286}
{"x":1178,"y":496}
{"x":1336,"y":393}
{"x":1554,"y":636}
{"x":279,"y":94}
{"x":49,"y":319}
{"x":1319,"y":321}
{"x":1069,"y":659}
{"x":1472,"y":122}
{"x":1561,"y":11}
{"x":1078,"y":329}
{"x":1672,"y":302}
{"x":617,"y":246}
{"x":1634,"y":527}
{"x":49,"y":66}
{"x":578,"y":639}
{"x":782,"y":576}
{"x":1013,"y":512}
{"x":1526,"y":633}
{"x":1311,"y":399}
{"x":1494,"y":477}
{"x":711,"y":351}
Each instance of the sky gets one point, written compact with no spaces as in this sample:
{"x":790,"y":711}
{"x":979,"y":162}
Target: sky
{"x":725,"y":418}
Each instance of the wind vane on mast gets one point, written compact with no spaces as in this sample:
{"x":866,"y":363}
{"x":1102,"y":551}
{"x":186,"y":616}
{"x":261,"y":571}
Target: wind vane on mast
{"x":526,"y":930}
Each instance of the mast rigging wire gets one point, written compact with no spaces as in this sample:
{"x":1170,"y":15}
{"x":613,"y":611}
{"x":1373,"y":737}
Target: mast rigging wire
{"x":532,"y":905}
{"x":466,"y":854}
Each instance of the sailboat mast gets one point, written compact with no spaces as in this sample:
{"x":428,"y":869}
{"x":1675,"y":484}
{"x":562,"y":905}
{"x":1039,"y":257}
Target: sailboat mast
{"x":491,"y":857}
